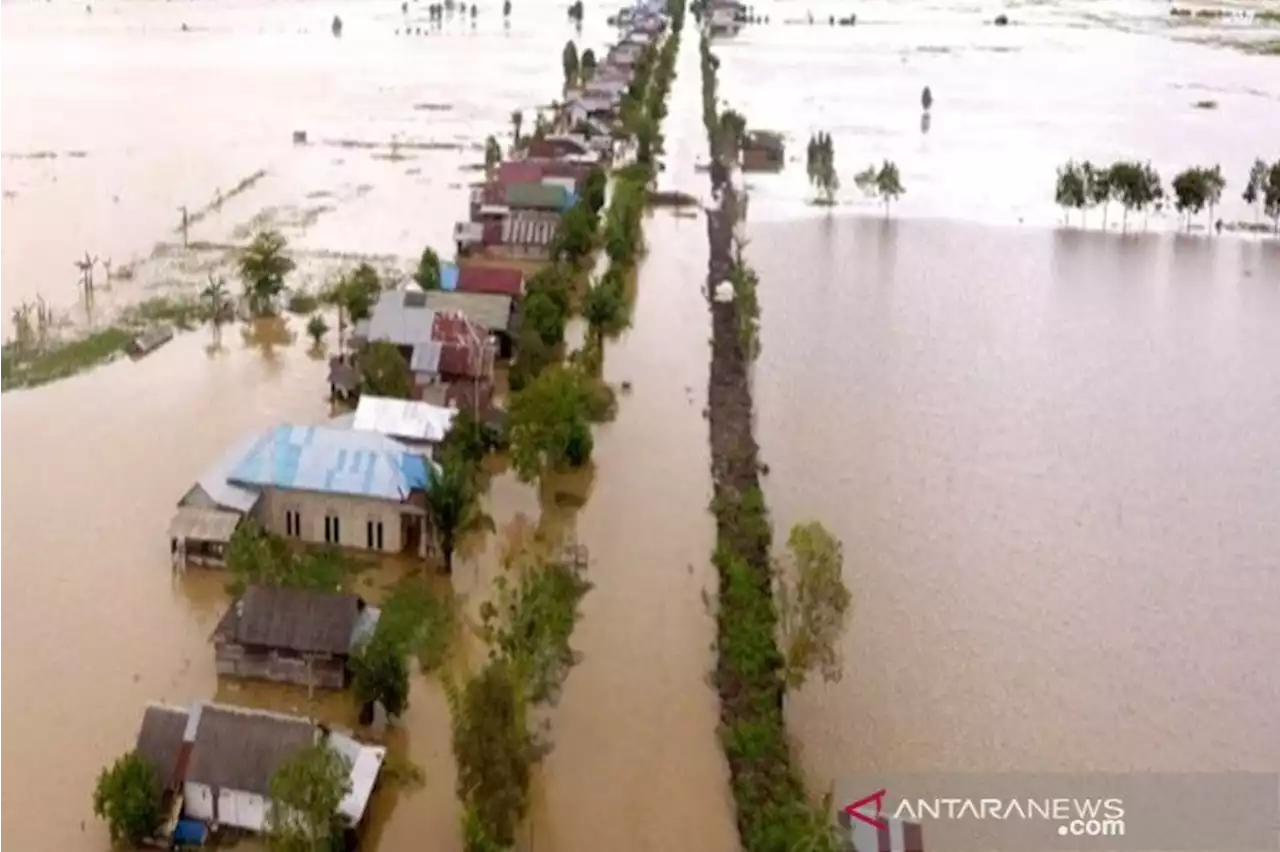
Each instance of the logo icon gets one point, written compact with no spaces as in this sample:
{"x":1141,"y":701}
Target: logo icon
{"x":855,"y":810}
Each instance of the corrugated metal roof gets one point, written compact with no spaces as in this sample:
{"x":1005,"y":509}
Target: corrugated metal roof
{"x":490,"y":279}
{"x":535,"y":196}
{"x":426,"y":357}
{"x":528,"y":231}
{"x":490,"y":311}
{"x":403,"y":418}
{"x":400,"y":323}
{"x":213,"y":482}
{"x":332,"y":461}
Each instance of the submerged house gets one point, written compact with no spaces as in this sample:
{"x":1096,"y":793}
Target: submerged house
{"x":442,"y":348}
{"x":313,"y":484}
{"x":294,"y":636}
{"x":337,"y":487}
{"x":215,"y":763}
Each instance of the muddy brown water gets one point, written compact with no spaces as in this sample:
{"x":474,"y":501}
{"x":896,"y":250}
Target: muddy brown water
{"x":1051,"y":455}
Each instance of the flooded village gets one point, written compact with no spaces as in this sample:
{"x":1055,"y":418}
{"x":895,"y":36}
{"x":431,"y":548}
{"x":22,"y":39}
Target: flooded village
{"x":485,"y":432}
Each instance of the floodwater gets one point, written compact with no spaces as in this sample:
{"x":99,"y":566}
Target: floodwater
{"x":94,"y":623}
{"x":1051,"y":453}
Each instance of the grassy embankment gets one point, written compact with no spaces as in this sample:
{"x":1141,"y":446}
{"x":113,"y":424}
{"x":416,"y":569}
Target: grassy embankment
{"x":774,"y":811}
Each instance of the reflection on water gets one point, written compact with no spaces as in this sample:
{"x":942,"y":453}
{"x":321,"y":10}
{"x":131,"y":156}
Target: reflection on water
{"x":1052,"y":459}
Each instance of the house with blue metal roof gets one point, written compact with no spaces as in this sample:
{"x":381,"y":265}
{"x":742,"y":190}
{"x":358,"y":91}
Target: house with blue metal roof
{"x":318,"y":485}
{"x":338,"y":487}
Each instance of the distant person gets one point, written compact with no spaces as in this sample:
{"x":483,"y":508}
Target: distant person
{"x":1217,"y":226}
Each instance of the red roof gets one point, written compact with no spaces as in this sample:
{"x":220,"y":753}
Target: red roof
{"x":460,"y":360}
{"x":454,"y":327}
{"x":518,"y":171}
{"x":490,"y":279}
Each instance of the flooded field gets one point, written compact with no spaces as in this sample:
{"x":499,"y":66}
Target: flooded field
{"x":1076,"y":79}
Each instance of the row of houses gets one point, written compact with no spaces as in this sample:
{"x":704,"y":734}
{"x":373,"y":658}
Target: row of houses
{"x":515,"y":212}
{"x":359,"y":481}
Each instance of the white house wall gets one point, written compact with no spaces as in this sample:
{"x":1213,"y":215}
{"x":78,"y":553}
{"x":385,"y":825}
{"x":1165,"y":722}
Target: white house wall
{"x":242,"y":810}
{"x":353,"y":515}
{"x":197,"y":801}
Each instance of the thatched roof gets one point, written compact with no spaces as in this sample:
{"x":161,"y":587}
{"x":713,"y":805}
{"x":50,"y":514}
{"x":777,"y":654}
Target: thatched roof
{"x":298,"y":620}
{"x":241,"y":749}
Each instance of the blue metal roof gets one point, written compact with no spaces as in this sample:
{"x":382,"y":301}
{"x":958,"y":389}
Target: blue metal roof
{"x":332,"y":461}
{"x":570,"y":199}
{"x":449,"y":276}
{"x":214,"y":480}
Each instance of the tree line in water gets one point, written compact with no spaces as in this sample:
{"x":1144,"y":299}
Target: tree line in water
{"x":1138,"y":187}
{"x":883,"y":181}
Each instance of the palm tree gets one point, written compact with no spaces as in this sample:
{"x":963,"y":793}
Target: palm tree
{"x":218,"y":303}
{"x":452,"y":504}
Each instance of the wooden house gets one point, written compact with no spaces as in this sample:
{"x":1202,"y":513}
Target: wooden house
{"x":292,"y":636}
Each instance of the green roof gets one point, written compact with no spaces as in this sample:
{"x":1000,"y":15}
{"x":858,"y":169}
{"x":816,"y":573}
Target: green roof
{"x":536,"y":196}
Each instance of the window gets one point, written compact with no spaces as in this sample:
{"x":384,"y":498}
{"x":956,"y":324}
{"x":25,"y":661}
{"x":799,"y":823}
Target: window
{"x":293,"y":523}
{"x":332,"y":529}
{"x":373,"y":534}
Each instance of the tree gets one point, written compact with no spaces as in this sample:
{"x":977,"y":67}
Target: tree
{"x":926,"y":99}
{"x":380,"y":673}
{"x":1255,"y":187}
{"x":822,"y":167}
{"x":1271,"y":196}
{"x":595,"y":189}
{"x":733,"y":134}
{"x":495,"y":752}
{"x":317,"y":328}
{"x":575,"y":236}
{"x":1070,"y":190}
{"x":545,"y":419}
{"x":428,"y":272}
{"x":384,"y":371}
{"x":1153,"y":190}
{"x":813,"y":604}
{"x":305,"y":792}
{"x":569,"y":63}
{"x":587,"y":64}
{"x":575,"y":12}
{"x":354,"y":295}
{"x":453,"y":505}
{"x":517,"y":119}
{"x":217,"y":303}
{"x":605,"y":306}
{"x":889,"y":184}
{"x":263,"y":267}
{"x":1189,"y":193}
{"x":492,"y":155}
{"x":1129,"y":185}
{"x":128,"y":798}
{"x":543,"y":315}
{"x":1214,"y":184}
{"x":532,"y":357}
{"x":1097,"y":184}
{"x":259,"y":558}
